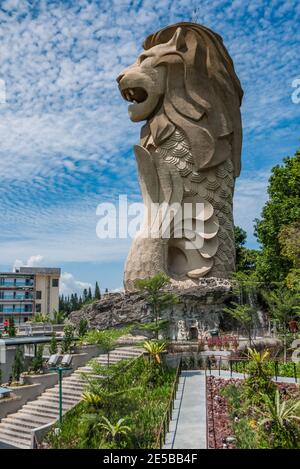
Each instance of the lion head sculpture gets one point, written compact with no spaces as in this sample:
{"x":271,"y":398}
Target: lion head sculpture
{"x":185,"y":78}
{"x":184,"y":86}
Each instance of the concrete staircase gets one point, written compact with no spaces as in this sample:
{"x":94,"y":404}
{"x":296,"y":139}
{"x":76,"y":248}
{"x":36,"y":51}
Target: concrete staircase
{"x":15,"y":429}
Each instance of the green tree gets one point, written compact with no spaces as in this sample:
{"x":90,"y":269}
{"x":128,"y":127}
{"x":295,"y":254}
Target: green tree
{"x":83,"y":327}
{"x":68,"y":338}
{"x":12,"y":327}
{"x":53,"y":348}
{"x":244,"y":315}
{"x":97,"y":295}
{"x":18,"y":365}
{"x":245,"y":258}
{"x":289,"y":239}
{"x":37,"y":362}
{"x":156,"y":296}
{"x":283,"y":307}
{"x":281,"y":210}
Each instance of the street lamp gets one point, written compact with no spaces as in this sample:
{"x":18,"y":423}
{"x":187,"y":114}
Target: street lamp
{"x":65,"y":365}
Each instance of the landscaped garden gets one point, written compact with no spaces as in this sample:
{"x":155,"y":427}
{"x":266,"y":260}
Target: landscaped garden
{"x":253,"y":413}
{"x":122,"y":407}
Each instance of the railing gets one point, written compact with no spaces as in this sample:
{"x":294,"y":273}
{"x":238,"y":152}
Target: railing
{"x":215,"y":362}
{"x":165,"y":423}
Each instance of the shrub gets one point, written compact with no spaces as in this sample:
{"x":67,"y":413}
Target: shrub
{"x":68,"y":338}
{"x":18,"y":365}
{"x":82,"y":327}
{"x":53,"y":348}
{"x":37,"y":362}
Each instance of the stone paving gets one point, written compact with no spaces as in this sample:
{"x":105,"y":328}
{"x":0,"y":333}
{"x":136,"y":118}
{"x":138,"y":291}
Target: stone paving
{"x":188,"y":425}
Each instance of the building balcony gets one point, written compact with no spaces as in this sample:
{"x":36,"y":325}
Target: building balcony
{"x":15,"y":311}
{"x":16,"y":299}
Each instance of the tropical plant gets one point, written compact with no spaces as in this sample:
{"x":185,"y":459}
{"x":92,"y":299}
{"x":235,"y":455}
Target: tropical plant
{"x":92,"y":399}
{"x":40,"y":317}
{"x":157,"y":298}
{"x":58,"y":317}
{"x":115,"y":432}
{"x":155,"y":349}
{"x":260,"y":375}
{"x":279,"y":416}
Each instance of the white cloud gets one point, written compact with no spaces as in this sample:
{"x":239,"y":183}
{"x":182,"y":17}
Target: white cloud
{"x":69,"y":285}
{"x":32,"y":261}
{"x":66,"y":139}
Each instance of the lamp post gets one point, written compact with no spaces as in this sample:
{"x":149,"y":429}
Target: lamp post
{"x":67,"y":359}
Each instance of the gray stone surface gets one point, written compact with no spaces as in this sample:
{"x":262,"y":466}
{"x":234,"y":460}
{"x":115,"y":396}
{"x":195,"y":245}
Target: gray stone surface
{"x":200,"y":307}
{"x":188,"y":425}
{"x":185,"y":87}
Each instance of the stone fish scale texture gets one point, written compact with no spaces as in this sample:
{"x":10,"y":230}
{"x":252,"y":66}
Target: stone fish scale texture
{"x":216,"y":186}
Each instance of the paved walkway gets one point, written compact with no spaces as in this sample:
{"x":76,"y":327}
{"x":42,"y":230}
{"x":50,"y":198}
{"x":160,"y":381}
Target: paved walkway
{"x":188,"y":424}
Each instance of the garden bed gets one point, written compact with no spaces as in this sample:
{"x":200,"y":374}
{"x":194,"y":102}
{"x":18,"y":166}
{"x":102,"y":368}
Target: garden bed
{"x":139,"y":395}
{"x":228,"y":426}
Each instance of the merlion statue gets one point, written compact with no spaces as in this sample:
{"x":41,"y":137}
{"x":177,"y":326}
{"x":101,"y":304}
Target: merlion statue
{"x":184,"y":86}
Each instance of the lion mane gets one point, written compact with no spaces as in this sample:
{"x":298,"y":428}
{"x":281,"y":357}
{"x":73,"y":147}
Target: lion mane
{"x":202,"y":97}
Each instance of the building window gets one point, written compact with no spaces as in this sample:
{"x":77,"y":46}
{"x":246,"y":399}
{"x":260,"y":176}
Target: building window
{"x":38,"y":308}
{"x":38,"y":295}
{"x":55,"y":282}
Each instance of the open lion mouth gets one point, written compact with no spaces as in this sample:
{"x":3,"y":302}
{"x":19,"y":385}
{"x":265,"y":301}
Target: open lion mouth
{"x":134,"y":95}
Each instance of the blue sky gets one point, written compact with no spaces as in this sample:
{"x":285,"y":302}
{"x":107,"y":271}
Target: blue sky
{"x":65,"y":135}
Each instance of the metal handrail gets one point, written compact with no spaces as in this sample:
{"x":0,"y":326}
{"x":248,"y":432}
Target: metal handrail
{"x":235,"y":360}
{"x":165,"y":423}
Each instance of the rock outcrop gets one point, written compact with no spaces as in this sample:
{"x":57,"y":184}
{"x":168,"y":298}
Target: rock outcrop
{"x":200,"y":307}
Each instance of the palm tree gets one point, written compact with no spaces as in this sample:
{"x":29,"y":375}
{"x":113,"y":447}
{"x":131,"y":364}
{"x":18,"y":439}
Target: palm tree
{"x":155,"y":348}
{"x":115,"y":431}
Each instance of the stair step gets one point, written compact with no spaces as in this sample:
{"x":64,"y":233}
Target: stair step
{"x":12,"y":433}
{"x":15,"y":427}
{"x":28,"y":420}
{"x":46,"y":403}
{"x":42,"y":408}
{"x":55,"y":399}
{"x":44,"y":413}
{"x":66,"y":392}
{"x":15,"y":442}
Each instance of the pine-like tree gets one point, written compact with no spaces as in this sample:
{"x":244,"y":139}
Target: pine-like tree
{"x":12,"y":327}
{"x":97,"y":295}
{"x":18,"y":365}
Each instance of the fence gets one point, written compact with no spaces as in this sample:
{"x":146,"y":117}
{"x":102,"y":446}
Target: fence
{"x":165,"y":423}
{"x":239,"y":365}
